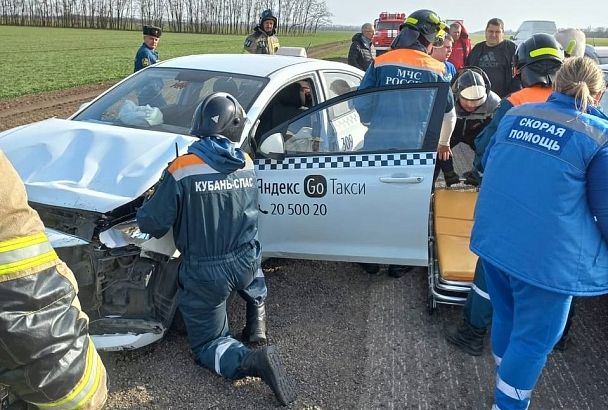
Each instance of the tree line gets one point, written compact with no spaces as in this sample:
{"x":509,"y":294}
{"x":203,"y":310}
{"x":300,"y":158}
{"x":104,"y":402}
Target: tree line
{"x":183,"y":16}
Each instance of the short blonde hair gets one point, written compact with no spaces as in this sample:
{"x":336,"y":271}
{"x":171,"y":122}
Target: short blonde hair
{"x":581,"y":78}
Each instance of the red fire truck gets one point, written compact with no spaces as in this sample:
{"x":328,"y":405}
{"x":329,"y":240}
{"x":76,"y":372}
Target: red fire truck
{"x":387,"y":28}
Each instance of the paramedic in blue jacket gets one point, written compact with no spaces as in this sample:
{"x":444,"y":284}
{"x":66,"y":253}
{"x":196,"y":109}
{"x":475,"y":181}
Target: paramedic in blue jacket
{"x":408,"y":62}
{"x":536,"y":63}
{"x":209,"y":197}
{"x":146,"y":54}
{"x":543,"y":241}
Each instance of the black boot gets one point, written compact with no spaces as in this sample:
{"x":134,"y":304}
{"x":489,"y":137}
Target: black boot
{"x":451,"y":178}
{"x":266,"y":364}
{"x":255,"y":326}
{"x":466,"y":337}
{"x":472,"y":178}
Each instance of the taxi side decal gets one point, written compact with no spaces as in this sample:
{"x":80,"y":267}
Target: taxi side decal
{"x":348,"y":161}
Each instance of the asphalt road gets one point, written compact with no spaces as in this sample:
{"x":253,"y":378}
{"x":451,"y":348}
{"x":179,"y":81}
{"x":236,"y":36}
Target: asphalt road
{"x":357,"y":341}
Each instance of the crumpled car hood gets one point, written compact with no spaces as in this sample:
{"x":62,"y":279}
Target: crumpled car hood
{"x":93,"y":167}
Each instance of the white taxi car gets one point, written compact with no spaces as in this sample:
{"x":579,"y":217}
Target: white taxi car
{"x":338,"y":180}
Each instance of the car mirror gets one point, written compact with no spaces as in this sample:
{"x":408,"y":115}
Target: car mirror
{"x":273,"y":146}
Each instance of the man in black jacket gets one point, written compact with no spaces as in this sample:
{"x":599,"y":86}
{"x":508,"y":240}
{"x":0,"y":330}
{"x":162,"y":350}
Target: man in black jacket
{"x":494,"y":56}
{"x":362,"y":51}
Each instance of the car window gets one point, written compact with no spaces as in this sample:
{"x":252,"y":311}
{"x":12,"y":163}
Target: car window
{"x":165,"y":99}
{"x":392,"y":120}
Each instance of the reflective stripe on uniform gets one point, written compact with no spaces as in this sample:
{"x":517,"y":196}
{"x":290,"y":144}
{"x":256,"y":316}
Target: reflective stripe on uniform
{"x":86,"y":386}
{"x":480,"y":292}
{"x":219,"y":352}
{"x":25,"y":252}
{"x":512,"y":392}
{"x":497,"y":359}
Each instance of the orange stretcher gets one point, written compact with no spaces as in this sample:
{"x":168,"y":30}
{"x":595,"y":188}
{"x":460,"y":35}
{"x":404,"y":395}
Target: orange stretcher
{"x":451,"y":263}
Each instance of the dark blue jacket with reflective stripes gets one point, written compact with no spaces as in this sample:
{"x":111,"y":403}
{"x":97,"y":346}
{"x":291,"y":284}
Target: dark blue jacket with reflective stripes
{"x":209,"y":196}
{"x":534,"y":218}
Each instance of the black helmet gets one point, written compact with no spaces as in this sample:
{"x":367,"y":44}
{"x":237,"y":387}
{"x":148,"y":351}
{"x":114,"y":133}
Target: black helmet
{"x":427,"y":23}
{"x":267,"y":15}
{"x":219,"y":115}
{"x":537,"y":59}
{"x":472,"y":84}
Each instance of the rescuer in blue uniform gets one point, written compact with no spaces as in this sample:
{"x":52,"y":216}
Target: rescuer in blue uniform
{"x":146,"y":54}
{"x":543,"y":241}
{"x":408,"y":62}
{"x":210,"y":198}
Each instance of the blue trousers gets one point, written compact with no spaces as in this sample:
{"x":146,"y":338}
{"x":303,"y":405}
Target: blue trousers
{"x":526,"y":324}
{"x":204,"y":287}
{"x":478,"y":308}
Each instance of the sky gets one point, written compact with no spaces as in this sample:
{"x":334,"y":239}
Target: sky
{"x":476,"y":13}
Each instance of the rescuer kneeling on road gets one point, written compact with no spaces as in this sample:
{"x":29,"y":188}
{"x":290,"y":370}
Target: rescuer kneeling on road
{"x":46,"y":355}
{"x":209,"y":197}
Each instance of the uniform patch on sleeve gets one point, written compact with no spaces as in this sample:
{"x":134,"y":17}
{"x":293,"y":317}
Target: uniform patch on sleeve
{"x":248,"y":42}
{"x":145,"y":62}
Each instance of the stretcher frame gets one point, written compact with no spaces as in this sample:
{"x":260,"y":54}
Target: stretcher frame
{"x":440,"y":290}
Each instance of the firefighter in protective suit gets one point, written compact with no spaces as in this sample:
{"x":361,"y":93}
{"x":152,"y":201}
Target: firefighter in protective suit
{"x":209,"y":197}
{"x":536,"y":62}
{"x":263,"y":40}
{"x":46,"y":356}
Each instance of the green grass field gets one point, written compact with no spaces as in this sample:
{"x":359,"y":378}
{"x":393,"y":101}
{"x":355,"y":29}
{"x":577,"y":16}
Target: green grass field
{"x":36,"y":59}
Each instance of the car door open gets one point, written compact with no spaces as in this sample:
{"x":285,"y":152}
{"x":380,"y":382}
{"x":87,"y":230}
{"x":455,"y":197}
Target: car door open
{"x":351,"y":179}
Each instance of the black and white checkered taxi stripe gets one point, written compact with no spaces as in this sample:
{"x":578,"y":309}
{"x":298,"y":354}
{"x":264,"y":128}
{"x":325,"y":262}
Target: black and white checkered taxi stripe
{"x":348,"y":161}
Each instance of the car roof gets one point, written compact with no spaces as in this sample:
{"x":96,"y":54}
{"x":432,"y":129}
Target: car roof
{"x":259,"y":65}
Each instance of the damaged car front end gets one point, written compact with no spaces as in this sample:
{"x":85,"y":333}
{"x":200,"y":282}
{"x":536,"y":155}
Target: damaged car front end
{"x":127,"y":281}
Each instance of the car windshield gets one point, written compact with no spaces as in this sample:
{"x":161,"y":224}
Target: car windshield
{"x":164,"y":99}
{"x":385,"y":25}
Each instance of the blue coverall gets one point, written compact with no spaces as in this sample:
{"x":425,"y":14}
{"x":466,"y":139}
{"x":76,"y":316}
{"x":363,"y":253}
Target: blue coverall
{"x":209,"y":196}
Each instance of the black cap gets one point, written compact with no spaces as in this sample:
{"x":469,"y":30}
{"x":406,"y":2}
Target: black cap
{"x":152,"y":31}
